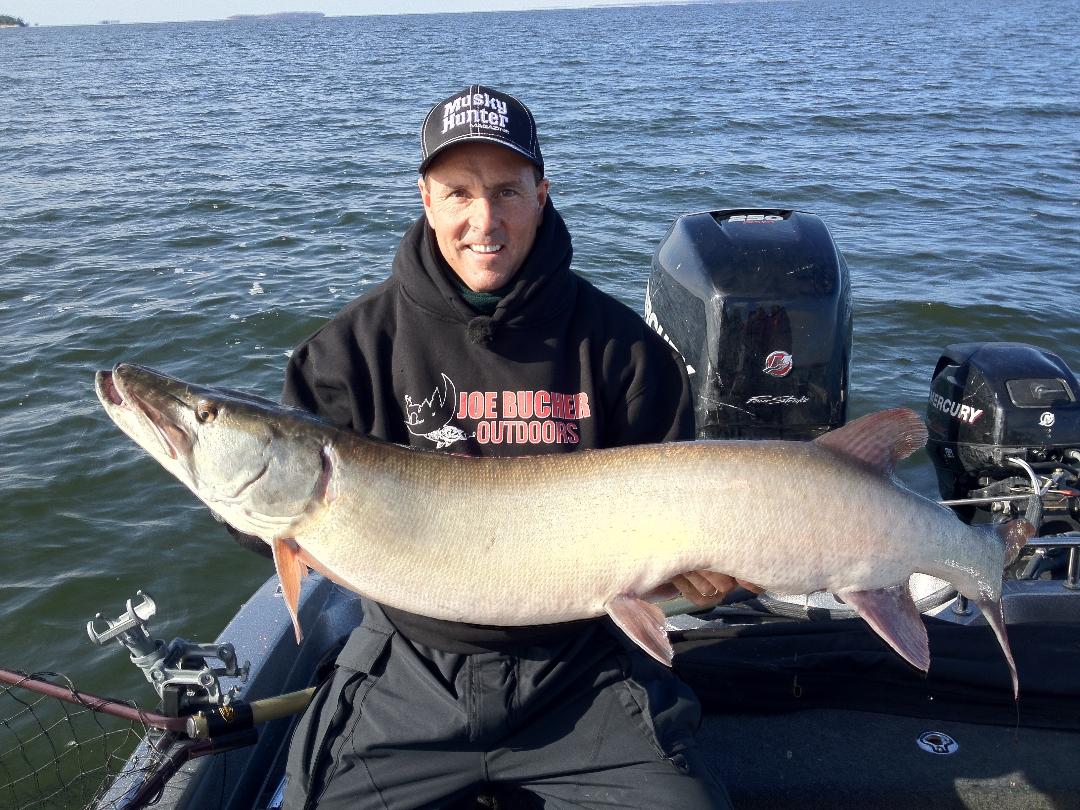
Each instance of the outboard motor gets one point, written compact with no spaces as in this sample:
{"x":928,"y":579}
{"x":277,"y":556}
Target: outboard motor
{"x":758,"y":303}
{"x":992,"y":402}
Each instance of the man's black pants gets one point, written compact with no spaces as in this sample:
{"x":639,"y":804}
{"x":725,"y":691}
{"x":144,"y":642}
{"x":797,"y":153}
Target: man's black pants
{"x":591,"y":722}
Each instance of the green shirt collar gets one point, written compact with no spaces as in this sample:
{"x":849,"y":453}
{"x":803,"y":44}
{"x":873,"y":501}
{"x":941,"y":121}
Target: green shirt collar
{"x":483,"y":302}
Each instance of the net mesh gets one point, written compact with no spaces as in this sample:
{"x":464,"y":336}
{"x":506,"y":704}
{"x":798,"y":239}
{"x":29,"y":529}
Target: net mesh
{"x":59,"y":753}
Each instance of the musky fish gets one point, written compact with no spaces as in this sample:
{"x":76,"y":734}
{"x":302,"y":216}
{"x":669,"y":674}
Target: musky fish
{"x":542,"y":539}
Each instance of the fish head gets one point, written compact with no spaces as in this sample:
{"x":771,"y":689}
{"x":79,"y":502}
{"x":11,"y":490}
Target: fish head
{"x":257,"y":464}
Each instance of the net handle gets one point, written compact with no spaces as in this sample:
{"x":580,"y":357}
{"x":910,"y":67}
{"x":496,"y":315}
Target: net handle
{"x":93,"y":702}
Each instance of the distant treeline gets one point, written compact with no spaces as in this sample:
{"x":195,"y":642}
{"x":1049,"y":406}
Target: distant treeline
{"x":280,"y":15}
{"x":6,"y":20}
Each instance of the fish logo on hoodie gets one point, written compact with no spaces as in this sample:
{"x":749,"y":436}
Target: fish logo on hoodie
{"x":431,"y":417}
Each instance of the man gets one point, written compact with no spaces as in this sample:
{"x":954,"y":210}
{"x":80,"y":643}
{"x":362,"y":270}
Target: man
{"x":483,"y":341}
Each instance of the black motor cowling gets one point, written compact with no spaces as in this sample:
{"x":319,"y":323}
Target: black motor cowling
{"x":758,"y":303}
{"x":990,"y":402}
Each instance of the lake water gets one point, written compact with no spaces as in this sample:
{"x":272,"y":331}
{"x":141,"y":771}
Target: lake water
{"x":199,"y":197}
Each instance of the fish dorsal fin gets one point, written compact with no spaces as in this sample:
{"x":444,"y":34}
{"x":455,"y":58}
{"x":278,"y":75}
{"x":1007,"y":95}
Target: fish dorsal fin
{"x":878,"y":440}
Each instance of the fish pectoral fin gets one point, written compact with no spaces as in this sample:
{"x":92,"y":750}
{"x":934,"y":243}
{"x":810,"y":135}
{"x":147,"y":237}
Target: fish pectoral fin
{"x":995,"y":617}
{"x":879,"y":439}
{"x":891,"y":612}
{"x":290,"y":570}
{"x":644,"y":623}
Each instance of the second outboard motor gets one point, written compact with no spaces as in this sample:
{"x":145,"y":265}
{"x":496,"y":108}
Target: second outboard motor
{"x":992,"y":402}
{"x":758,"y":303}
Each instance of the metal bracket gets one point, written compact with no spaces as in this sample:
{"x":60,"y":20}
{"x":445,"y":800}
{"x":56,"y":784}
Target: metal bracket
{"x":179,"y":672}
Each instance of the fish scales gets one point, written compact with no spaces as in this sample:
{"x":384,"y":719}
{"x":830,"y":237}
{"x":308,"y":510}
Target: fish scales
{"x":542,"y":539}
{"x":553,"y":535}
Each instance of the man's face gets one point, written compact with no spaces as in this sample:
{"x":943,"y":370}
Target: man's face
{"x":484,"y":204}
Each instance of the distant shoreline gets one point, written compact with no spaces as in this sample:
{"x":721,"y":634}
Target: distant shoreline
{"x":566,"y":5}
{"x":280,"y":15}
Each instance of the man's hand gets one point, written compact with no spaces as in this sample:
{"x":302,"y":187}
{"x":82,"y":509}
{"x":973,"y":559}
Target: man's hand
{"x":708,"y":588}
{"x":248,"y":541}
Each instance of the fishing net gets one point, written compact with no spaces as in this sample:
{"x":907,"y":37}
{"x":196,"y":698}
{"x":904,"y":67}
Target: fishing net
{"x":60,"y":748}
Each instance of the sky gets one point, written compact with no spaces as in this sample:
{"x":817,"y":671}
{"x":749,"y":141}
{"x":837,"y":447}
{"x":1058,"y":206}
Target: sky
{"x":86,"y":12}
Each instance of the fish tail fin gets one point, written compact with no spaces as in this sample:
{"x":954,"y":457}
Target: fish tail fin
{"x":1014,"y":534}
{"x":892,"y":614}
{"x":994,"y":613}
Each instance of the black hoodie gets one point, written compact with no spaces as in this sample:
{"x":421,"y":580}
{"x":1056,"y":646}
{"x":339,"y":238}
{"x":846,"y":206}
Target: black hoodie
{"x":559,"y":366}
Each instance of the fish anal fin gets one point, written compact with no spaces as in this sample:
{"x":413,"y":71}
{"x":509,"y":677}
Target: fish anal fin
{"x":644,"y":623}
{"x":892,"y":614}
{"x":994,"y":614}
{"x":878,"y":440}
{"x":291,"y":568}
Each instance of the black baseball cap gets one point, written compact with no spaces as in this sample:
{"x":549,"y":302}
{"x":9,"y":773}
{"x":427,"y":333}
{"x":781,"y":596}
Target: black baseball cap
{"x":480,"y":113}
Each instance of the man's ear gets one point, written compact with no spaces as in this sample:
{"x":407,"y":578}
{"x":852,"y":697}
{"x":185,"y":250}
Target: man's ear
{"x":542,"y":193}
{"x":425,"y":198}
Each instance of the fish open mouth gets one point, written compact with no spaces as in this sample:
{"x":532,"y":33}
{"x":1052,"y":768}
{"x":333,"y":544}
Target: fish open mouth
{"x":174,"y":439}
{"x":107,"y":389}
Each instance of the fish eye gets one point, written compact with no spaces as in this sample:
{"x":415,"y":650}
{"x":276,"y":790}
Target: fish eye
{"x":205,"y":411}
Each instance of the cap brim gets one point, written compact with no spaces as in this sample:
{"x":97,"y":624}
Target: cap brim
{"x":475,"y":138}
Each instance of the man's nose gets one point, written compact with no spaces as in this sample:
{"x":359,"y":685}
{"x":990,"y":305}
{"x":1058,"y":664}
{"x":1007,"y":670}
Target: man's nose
{"x":482,"y":214}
